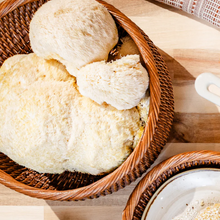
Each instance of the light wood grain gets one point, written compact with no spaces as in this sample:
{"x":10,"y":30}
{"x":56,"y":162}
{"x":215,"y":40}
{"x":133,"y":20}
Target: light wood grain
{"x":189,"y":46}
{"x":21,"y":213}
{"x":82,"y":213}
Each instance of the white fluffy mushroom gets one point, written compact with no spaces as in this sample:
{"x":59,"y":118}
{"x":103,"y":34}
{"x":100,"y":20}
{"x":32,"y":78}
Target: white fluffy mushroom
{"x":48,"y":126}
{"x":121,"y":83}
{"x":74,"y":32}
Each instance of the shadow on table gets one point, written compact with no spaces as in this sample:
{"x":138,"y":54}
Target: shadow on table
{"x":177,"y":72}
{"x":196,"y":120}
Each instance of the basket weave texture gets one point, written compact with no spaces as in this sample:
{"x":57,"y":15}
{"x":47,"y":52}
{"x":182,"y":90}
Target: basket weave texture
{"x":15,"y":17}
{"x":161,"y":173}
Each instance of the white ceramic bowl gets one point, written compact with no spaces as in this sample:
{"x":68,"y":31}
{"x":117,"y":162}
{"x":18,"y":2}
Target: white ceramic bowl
{"x":184,"y":195}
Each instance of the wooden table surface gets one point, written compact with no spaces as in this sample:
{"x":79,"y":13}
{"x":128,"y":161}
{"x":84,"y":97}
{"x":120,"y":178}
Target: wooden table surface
{"x":189,"y":46}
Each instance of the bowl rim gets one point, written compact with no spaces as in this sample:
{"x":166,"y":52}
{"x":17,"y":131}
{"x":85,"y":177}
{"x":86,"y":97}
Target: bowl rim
{"x":170,"y":180}
{"x":162,"y":173}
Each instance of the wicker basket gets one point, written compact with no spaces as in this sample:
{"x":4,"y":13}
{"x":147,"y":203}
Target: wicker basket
{"x":162,"y":172}
{"x":14,"y":39}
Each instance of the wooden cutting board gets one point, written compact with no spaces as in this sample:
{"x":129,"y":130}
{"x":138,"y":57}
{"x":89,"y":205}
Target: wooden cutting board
{"x":189,"y":46}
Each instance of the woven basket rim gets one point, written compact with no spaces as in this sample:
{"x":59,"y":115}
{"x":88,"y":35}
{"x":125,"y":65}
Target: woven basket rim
{"x":183,"y":160}
{"x":134,"y":159}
